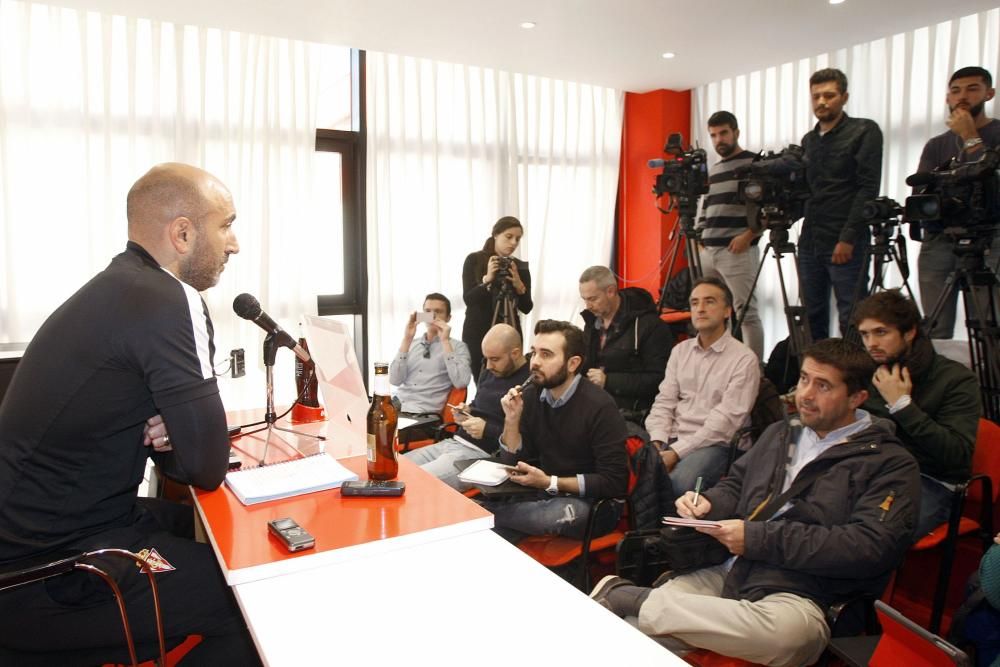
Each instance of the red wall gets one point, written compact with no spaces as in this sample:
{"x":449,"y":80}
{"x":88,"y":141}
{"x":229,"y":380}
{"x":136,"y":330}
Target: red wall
{"x":643,"y":232}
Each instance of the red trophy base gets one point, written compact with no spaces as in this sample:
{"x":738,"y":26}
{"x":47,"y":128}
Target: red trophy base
{"x":303,"y":414}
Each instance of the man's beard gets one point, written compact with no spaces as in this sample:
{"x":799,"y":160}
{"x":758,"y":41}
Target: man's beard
{"x":974,"y":110}
{"x":725,"y":150}
{"x":202,"y":270}
{"x":556,"y":379}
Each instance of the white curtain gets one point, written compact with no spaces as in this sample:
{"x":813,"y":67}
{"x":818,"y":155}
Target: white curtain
{"x":89,"y":102}
{"x":453,"y":148}
{"x":899,"y":81}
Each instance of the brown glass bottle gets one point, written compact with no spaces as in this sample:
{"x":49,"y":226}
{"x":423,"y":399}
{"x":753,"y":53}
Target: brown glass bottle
{"x":382,"y":417}
{"x":308,"y":393}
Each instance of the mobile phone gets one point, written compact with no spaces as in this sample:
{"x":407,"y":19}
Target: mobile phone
{"x":372,"y":488}
{"x":234,"y":461}
{"x":425,"y":317}
{"x":291,"y":534}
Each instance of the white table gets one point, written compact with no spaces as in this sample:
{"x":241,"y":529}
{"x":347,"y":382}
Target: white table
{"x":470,"y":600}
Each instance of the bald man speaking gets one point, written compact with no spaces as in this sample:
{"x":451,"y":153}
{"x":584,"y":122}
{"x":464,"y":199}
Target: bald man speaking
{"x":127,"y":356}
{"x":482,"y":423}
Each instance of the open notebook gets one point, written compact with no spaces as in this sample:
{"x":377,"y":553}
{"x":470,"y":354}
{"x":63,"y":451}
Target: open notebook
{"x":318,"y":472}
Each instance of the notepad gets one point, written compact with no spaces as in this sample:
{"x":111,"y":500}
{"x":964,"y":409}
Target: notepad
{"x":485,"y":473}
{"x":690,"y":523}
{"x":318,"y":472}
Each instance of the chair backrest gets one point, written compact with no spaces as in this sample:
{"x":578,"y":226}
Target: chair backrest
{"x":903,"y":642}
{"x":986,"y":458}
{"x":455,"y":396}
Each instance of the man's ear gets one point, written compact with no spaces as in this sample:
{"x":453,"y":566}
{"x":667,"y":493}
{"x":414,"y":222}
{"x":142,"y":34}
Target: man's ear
{"x":857,"y":399}
{"x":573,"y":364}
{"x":181,"y":232}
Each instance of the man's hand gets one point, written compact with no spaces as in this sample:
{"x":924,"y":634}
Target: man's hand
{"x":411,"y":327}
{"x":155,"y":434}
{"x":475,"y":426}
{"x":597,"y":376}
{"x":687,"y":509}
{"x":443,"y":329}
{"x":731,"y":534}
{"x":962,"y":123}
{"x":529,"y":475}
{"x":669,"y":458}
{"x":842,"y":253}
{"x":739,"y":244}
{"x":893,"y":382}
{"x":513,"y":405}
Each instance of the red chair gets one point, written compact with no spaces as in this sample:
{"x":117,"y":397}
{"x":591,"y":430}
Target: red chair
{"x":982,"y":488}
{"x":456,"y":396}
{"x":706,"y":658}
{"x":556,"y":551}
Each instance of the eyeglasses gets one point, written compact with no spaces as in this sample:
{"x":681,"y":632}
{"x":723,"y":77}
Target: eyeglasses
{"x":427,"y":349}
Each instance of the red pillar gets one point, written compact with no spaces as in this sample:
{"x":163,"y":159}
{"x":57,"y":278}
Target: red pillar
{"x":643,"y":232}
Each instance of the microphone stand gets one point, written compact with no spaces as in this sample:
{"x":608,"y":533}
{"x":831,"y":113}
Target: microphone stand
{"x":270,"y":417}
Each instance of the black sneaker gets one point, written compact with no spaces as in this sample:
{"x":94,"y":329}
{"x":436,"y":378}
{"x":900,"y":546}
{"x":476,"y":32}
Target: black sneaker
{"x":605,"y":586}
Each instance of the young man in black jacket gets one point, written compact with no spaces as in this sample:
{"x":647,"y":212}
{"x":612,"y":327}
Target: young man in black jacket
{"x":821,"y":509}
{"x":627,"y":344}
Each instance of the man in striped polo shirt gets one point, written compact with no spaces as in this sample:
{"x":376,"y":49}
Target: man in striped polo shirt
{"x":728,"y":246}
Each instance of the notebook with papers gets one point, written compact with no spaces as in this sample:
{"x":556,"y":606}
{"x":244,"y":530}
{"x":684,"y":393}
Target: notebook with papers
{"x":296,"y":477}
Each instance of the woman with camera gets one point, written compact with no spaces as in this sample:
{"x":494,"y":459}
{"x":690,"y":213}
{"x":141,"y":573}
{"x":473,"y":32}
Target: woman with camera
{"x":495,"y":286}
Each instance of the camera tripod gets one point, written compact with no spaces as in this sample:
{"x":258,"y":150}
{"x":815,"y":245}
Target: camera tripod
{"x":684,"y":236}
{"x":505,"y":306}
{"x":885,"y":248}
{"x":978,"y":284}
{"x":776,"y":221}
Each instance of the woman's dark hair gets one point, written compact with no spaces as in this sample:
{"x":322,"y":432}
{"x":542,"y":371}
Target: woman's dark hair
{"x":502,"y":225}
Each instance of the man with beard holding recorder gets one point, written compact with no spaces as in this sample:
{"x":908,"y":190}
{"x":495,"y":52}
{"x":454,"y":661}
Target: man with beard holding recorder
{"x":566,"y":439}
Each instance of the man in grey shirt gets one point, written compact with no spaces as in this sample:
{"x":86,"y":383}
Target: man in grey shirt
{"x":427,"y":368}
{"x":970,"y":132}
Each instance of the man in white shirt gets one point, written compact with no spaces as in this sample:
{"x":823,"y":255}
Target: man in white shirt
{"x":709,"y":388}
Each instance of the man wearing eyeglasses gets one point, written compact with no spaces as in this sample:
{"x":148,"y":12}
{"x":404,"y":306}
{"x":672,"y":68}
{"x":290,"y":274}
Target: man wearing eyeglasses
{"x":427,"y":368}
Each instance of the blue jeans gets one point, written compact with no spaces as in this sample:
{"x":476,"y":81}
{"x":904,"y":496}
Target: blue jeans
{"x":817,"y":275}
{"x":709,"y":463}
{"x":515,"y":519}
{"x":439,"y":459}
{"x":935,"y":506}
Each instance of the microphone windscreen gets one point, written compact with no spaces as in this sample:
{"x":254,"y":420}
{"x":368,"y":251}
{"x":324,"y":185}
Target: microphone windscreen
{"x":920,"y":178}
{"x":246,"y":306}
{"x":656,"y":164}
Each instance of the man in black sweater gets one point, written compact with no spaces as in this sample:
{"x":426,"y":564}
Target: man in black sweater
{"x":482,"y":421}
{"x":567,"y":439}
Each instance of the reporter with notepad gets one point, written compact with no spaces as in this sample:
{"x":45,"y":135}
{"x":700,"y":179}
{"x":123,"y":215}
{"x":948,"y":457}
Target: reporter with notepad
{"x":121,"y":360}
{"x":480,"y":427}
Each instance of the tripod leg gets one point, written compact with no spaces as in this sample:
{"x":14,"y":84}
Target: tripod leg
{"x":862,"y":288}
{"x":980,"y":305}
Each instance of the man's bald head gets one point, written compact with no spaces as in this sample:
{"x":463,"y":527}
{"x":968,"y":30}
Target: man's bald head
{"x":168,"y":191}
{"x":182,"y":216}
{"x":502,"y":349}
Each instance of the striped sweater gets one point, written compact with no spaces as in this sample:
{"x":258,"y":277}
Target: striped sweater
{"x":723,"y":216}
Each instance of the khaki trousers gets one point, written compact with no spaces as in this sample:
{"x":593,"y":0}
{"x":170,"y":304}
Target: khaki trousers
{"x":781,"y":630}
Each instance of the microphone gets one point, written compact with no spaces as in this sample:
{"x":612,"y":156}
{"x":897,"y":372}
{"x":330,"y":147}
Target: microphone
{"x":247,"y":307}
{"x":920,"y":178}
{"x":657,"y":163}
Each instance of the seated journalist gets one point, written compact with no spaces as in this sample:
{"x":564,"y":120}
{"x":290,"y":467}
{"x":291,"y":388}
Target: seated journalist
{"x":820,"y":510}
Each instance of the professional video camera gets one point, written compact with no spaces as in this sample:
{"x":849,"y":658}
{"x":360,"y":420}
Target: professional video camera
{"x":777,"y":183}
{"x":684,"y":176}
{"x":965,"y":197}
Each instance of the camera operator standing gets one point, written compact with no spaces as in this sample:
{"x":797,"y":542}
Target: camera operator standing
{"x":970,"y":132}
{"x":496,"y":285}
{"x":728,"y":244}
{"x":844,"y":157}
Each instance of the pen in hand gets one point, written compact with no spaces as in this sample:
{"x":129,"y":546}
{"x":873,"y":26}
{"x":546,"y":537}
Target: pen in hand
{"x":697,"y":491}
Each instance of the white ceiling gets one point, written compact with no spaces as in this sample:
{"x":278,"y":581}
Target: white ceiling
{"x":615,"y":44}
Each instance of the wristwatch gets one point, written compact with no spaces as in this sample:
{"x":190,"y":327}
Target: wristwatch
{"x":553,"y":486}
{"x":972,"y":143}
